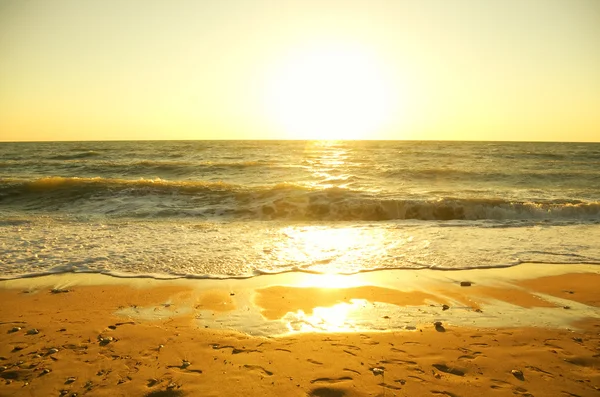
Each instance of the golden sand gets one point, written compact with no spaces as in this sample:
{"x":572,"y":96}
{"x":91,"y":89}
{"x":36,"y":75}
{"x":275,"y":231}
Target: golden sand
{"x":532,"y":330}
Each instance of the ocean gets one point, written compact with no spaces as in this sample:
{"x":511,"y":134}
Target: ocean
{"x":236,"y":209}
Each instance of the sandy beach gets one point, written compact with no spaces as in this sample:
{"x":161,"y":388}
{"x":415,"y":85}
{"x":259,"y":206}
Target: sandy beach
{"x":299,"y":198}
{"x":529,"y":330}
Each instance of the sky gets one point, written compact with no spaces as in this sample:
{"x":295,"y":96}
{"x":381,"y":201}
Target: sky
{"x":310,"y":69}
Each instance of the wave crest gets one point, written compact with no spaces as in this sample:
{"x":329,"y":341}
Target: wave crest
{"x":320,"y":207}
{"x":161,"y":198}
{"x":76,"y":156}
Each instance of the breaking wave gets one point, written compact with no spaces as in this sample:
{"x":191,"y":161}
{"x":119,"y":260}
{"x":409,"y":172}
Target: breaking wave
{"x":123,"y":197}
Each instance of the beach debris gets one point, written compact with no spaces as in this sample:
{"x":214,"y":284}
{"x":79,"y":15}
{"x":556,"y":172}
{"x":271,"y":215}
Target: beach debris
{"x":14,"y":329}
{"x":105,"y":340}
{"x":52,"y":351}
{"x":465,"y":283}
{"x":448,"y":370}
{"x":439,"y":327}
{"x":378,"y":371}
{"x":232,"y":294}
{"x":59,"y":290}
{"x":518,"y":374}
{"x":33,"y":331}
{"x":445,"y":307}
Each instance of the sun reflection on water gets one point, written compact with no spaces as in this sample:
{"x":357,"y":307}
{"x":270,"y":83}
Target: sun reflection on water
{"x":330,"y":250}
{"x":328,"y":164}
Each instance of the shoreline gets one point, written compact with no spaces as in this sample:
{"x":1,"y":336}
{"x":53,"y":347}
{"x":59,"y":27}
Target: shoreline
{"x":530,"y":329}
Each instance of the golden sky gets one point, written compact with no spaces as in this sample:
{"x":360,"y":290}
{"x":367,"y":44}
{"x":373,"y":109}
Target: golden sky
{"x":276,"y":69}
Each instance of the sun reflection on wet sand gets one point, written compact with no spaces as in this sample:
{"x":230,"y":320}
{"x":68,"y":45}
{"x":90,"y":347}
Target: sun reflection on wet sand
{"x":327,"y":319}
{"x":338,"y":303}
{"x":382,"y":301}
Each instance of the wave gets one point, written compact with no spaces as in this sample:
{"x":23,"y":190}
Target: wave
{"x":90,"y":165}
{"x":259,"y":272}
{"x":184,"y":166}
{"x":324,"y":206}
{"x":161,"y":198}
{"x":514,"y":176}
{"x":76,"y":156}
{"x":255,"y":273}
{"x":83,"y":186}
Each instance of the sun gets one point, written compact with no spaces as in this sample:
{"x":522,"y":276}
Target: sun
{"x":329,"y":92}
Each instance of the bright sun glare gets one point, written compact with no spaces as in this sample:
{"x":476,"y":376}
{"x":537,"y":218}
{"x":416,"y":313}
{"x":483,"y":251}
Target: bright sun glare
{"x":329,"y":92}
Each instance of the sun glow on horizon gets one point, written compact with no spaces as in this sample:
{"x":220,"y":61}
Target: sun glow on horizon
{"x":330,"y":92}
{"x":301,"y":70}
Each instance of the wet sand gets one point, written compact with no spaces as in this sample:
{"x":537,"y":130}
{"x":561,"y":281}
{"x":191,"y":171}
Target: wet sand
{"x":530,"y":330}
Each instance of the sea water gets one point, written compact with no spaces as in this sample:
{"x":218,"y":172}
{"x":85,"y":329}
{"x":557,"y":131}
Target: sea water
{"x":245,"y":208}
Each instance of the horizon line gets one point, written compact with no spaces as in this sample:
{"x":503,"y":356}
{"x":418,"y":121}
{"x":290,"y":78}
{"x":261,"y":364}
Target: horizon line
{"x":292,"y":140}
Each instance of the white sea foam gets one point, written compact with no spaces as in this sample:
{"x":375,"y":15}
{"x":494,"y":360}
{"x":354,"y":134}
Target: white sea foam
{"x":246,"y":249}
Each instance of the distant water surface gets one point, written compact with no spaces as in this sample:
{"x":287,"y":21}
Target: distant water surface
{"x":244,"y":208}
